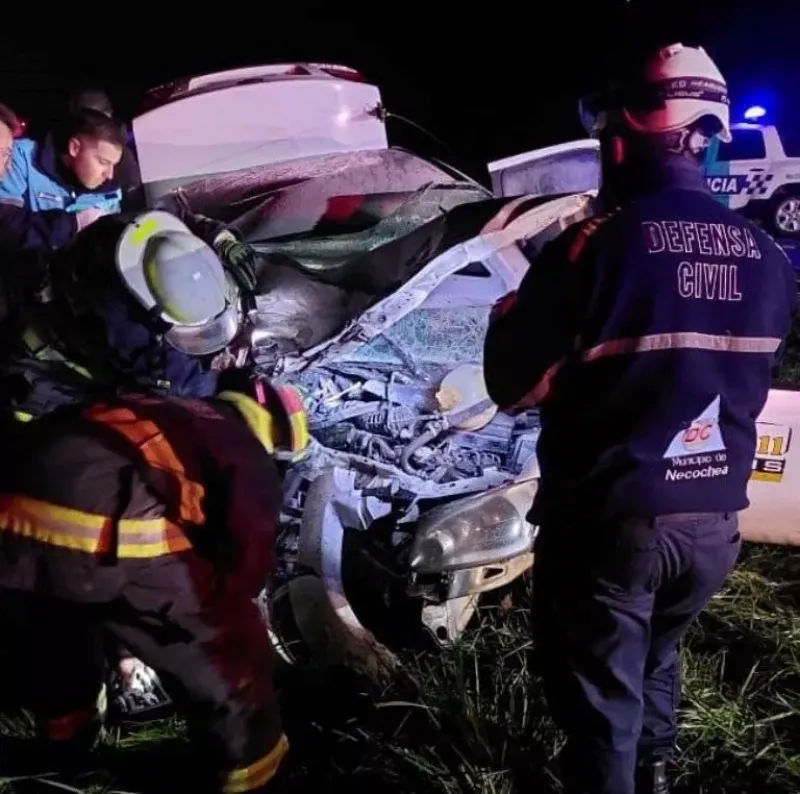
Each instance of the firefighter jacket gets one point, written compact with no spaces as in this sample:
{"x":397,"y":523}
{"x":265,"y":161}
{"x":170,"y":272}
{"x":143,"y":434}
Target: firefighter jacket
{"x":90,"y":492}
{"x":51,"y":359}
{"x":647,"y":336}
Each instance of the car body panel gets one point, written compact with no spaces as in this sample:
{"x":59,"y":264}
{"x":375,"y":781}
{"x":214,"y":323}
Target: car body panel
{"x":572,"y":167}
{"x":251,"y":117}
{"x":774,"y":489}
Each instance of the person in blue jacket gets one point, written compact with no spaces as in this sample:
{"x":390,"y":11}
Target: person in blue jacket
{"x":70,"y":173}
{"x":26,"y":232}
{"x":127,"y":173}
{"x":646,"y":335}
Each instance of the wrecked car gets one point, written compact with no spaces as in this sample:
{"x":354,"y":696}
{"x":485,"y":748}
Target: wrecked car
{"x":379,"y":271}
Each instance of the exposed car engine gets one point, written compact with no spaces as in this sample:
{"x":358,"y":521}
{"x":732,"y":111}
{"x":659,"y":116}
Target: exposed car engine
{"x":390,"y":429}
{"x":391,"y":419}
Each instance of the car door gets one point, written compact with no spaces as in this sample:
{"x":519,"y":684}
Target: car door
{"x":567,"y":172}
{"x":572,"y":167}
{"x":774,"y":489}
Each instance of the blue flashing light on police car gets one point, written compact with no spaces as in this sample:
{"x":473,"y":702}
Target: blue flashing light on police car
{"x":755,"y":112}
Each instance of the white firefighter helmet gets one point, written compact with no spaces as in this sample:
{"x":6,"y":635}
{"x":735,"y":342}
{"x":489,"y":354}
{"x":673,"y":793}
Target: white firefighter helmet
{"x":690,"y":87}
{"x":679,"y":86}
{"x":179,"y":279}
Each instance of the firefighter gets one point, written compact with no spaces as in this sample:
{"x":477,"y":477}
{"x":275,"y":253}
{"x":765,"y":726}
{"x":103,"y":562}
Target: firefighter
{"x":152,"y":519}
{"x":87,"y":331}
{"x":96,"y":332}
{"x":646,"y":334}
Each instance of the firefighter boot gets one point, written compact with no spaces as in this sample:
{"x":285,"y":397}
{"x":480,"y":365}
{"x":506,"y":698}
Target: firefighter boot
{"x":652,"y":778}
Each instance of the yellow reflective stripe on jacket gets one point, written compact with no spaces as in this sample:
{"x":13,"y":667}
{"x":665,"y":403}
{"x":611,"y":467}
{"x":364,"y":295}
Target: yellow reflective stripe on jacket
{"x":73,"y":529}
{"x":259,"y":773}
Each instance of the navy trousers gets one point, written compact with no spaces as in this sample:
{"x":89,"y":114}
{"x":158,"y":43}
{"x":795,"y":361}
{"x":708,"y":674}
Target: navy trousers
{"x":612,"y":600}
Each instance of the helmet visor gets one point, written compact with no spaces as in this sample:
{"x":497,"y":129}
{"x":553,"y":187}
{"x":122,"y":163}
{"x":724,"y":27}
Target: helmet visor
{"x":206,"y":338}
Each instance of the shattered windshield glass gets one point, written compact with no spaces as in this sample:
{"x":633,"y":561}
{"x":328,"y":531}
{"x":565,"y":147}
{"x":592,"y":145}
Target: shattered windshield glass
{"x":439,"y":336}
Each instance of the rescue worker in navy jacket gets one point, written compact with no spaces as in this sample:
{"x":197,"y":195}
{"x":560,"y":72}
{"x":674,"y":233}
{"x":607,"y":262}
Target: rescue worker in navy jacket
{"x":647,"y":335}
{"x":152,"y":519}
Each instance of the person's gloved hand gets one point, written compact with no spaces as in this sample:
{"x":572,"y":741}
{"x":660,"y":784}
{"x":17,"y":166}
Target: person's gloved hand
{"x":239,"y":259}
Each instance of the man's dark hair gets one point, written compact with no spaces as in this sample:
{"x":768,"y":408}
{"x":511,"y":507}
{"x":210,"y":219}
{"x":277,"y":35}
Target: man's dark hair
{"x":9,"y":118}
{"x":91,"y":124}
{"x":88,"y":98}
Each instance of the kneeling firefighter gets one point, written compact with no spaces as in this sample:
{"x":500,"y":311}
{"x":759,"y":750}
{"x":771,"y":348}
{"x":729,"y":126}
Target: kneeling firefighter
{"x":132,"y":305}
{"x":152,"y":519}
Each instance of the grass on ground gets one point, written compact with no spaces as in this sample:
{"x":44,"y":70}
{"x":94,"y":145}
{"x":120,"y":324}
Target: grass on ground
{"x":480,"y":724}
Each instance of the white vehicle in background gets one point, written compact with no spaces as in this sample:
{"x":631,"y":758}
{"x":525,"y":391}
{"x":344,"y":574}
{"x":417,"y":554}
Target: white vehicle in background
{"x":758,"y":174}
{"x":381,"y":268}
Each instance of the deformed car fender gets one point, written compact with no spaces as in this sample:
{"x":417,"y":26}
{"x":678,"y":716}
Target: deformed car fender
{"x":323,"y":615}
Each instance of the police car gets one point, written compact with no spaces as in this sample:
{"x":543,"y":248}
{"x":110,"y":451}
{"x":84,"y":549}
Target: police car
{"x":757,"y":173}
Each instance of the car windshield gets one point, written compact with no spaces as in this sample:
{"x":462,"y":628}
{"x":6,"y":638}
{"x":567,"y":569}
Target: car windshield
{"x":329,"y":195}
{"x":429,"y":338}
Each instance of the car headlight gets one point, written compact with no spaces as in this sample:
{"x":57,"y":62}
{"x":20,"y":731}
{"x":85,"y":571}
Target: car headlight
{"x":479,"y":530}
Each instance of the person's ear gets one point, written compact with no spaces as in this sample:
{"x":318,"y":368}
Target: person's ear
{"x":73,"y":146}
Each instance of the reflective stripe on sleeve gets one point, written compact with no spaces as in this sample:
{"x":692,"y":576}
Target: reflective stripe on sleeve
{"x":653,"y":343}
{"x":89,"y":532}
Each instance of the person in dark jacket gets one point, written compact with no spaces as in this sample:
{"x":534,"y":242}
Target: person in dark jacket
{"x":91,"y":336}
{"x":646,"y":335}
{"x":151,"y":519}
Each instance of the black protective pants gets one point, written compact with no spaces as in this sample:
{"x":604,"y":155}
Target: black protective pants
{"x":208,"y":643}
{"x":611,"y":603}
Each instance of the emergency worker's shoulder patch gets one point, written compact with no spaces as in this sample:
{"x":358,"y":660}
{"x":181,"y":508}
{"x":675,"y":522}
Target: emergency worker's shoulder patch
{"x":584,"y":232}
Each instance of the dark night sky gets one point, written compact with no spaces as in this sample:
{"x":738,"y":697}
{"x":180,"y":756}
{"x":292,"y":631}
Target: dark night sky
{"x":490,"y":84}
